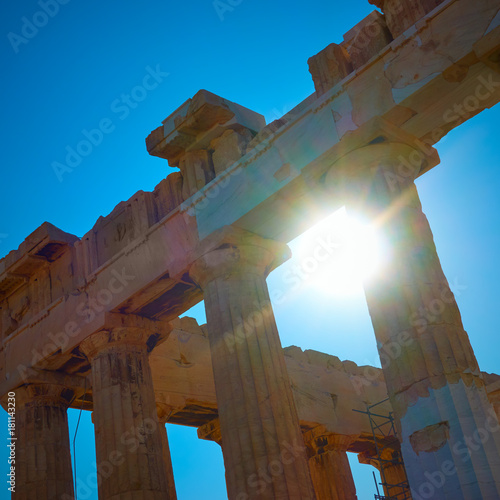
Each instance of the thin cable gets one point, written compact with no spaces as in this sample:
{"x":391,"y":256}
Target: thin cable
{"x":74,"y":437}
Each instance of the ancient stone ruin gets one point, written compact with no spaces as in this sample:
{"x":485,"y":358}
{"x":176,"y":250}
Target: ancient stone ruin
{"x":94,"y":321}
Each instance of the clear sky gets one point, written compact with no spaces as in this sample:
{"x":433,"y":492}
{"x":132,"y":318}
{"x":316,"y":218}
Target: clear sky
{"x":76,"y":70}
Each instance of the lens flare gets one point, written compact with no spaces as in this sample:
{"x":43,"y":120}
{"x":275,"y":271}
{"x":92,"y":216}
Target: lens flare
{"x":337,"y":255}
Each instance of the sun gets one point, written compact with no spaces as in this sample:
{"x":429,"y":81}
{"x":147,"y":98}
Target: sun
{"x":336,"y":255}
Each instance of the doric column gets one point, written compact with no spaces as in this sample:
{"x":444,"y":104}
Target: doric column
{"x":330,"y":470}
{"x":127,"y":432}
{"x":263,"y":448}
{"x":163,"y":415}
{"x":449,"y":431}
{"x":42,"y":446}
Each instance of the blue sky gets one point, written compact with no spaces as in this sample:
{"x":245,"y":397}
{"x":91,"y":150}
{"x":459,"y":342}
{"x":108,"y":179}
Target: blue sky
{"x":78,"y":68}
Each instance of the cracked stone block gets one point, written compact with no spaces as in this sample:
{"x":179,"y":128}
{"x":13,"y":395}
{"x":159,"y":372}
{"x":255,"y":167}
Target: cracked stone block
{"x":401,"y":14}
{"x":229,"y":148}
{"x":197,"y":171}
{"x":329,"y":67}
{"x":367,"y":39}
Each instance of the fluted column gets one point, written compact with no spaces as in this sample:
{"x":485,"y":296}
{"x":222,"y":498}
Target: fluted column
{"x":395,"y":474}
{"x":330,"y":469}
{"x":449,"y":431}
{"x":392,"y":471}
{"x":42,"y":446}
{"x":163,"y":415}
{"x":127,"y":430}
{"x":263,"y":448}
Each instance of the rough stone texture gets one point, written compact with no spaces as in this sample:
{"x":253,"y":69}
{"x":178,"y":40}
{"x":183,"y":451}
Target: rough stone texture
{"x":401,"y":14}
{"x":330,"y":470}
{"x":325,"y":389}
{"x":197,"y":171}
{"x":367,"y":39}
{"x":43,"y":459}
{"x":211,"y":432}
{"x":127,"y":431}
{"x":492,"y":382}
{"x":229,"y":148}
{"x":431,"y":438}
{"x":182,"y":374}
{"x":151,"y":237}
{"x":33,"y":275}
{"x":168,"y":195}
{"x":258,"y":420}
{"x":434,"y":384}
{"x":56,"y":290}
{"x":198,"y":121}
{"x":329,"y":67}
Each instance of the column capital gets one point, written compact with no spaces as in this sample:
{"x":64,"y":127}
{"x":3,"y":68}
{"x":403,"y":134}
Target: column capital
{"x":233,"y":251}
{"x":379,"y":140}
{"x":369,"y":457}
{"x":43,"y":458}
{"x":43,"y":394}
{"x":357,"y":174}
{"x":105,"y":340}
{"x":164,"y":411}
{"x":125,"y":330}
{"x":211,"y":431}
{"x":258,"y":418}
{"x":35,"y":376}
{"x":319,"y":440}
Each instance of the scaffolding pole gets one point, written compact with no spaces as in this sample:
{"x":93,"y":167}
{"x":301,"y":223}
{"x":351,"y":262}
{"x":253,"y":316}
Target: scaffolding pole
{"x":383,"y":425}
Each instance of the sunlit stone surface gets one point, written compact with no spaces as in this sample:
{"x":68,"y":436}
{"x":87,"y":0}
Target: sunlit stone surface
{"x":100,"y":314}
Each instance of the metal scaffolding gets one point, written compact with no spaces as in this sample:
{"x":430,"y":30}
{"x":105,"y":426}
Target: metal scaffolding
{"x":383,"y":426}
